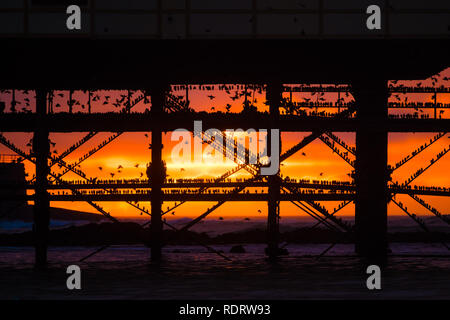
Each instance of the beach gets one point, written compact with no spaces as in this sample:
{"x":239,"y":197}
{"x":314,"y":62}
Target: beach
{"x":415,"y":271}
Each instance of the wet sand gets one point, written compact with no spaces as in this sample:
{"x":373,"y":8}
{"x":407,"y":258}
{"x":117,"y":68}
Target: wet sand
{"x":189,"y":272}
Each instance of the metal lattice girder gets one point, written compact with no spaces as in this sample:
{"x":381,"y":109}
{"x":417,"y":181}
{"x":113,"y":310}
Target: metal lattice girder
{"x":314,"y":215}
{"x":337,"y":151}
{"x":344,"y":204}
{"x":291,"y":151}
{"x":323,"y":211}
{"x":406,"y":159}
{"x":173,"y":105}
{"x":314,"y":135}
{"x":417,"y":174}
{"x":202,"y":216}
{"x":340,"y":142}
{"x":348,"y":89}
{"x":90,"y":135}
{"x":419,"y":221}
{"x":418,"y":151}
{"x":111,"y":138}
{"x":431,"y":209}
{"x":72,"y":148}
{"x":97,"y":207}
{"x":287,"y":154}
{"x":114,"y":185}
{"x":72,"y":167}
{"x":28,"y":157}
{"x":422,"y":170}
{"x":314,"y":205}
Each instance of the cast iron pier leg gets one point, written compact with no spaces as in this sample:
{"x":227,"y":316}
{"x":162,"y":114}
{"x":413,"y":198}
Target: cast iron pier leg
{"x":157,"y":175}
{"x":273,"y":96}
{"x":41,"y":149}
{"x":371,"y":169}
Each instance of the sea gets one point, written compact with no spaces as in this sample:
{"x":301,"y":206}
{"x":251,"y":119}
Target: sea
{"x":412,"y":271}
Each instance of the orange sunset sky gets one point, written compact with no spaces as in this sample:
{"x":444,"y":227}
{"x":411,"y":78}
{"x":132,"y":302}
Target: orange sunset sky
{"x":132,"y":149}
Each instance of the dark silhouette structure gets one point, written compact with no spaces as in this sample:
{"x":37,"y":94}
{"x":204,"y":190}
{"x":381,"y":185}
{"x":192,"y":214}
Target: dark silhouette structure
{"x":371,"y":168}
{"x":273,"y":97}
{"x":12,"y":171}
{"x":156,"y":178}
{"x":151,"y":66}
{"x":41,"y":151}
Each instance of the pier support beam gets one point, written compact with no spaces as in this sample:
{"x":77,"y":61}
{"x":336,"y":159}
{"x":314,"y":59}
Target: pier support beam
{"x":157,"y":175}
{"x":41,"y":149}
{"x":273,"y":97}
{"x":371,"y":97}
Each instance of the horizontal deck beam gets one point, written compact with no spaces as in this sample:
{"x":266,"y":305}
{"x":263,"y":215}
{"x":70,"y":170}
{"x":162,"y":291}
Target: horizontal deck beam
{"x":58,"y":63}
{"x":233,"y":184}
{"x":197,"y":197}
{"x":138,"y":122}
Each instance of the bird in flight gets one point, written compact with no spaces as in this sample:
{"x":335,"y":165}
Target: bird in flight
{"x":211,"y":97}
{"x":100,"y":168}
